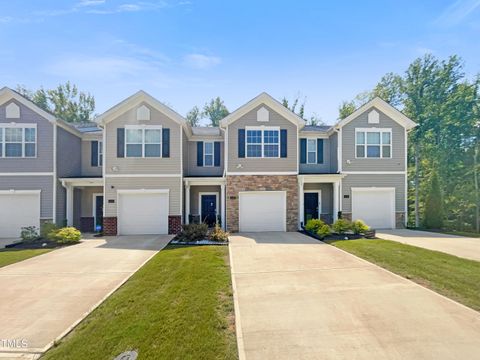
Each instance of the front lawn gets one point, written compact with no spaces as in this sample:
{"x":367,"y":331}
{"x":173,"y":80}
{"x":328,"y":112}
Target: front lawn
{"x":454,"y":277}
{"x":178,"y":306}
{"x":10,"y":256}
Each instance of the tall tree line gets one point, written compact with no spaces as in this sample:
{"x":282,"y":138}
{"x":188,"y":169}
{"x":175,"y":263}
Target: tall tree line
{"x":443,"y":154}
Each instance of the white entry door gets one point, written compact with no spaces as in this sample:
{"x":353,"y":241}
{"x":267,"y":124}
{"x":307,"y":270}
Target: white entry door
{"x":18,"y":209}
{"x":143,"y":212}
{"x":375,"y":206}
{"x":262,"y":211}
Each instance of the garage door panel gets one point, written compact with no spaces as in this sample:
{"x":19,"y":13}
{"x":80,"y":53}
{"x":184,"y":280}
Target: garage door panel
{"x":376,"y":207}
{"x":262,"y":211}
{"x":16,"y":211}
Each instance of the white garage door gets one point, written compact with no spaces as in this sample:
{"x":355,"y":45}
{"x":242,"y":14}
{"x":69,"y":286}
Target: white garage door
{"x":262,"y":211}
{"x":18,"y":209}
{"x":143,"y":212}
{"x":375,"y":206}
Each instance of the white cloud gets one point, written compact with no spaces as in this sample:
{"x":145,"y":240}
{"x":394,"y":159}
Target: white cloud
{"x":200,"y":61}
{"x":84,"y":3}
{"x":457,"y":12}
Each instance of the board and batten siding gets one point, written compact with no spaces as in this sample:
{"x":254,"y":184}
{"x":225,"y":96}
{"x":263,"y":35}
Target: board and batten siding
{"x":87,"y":168}
{"x":156,"y":165}
{"x":174,"y":184}
{"x":44,"y":160}
{"x":396,"y":181}
{"x":194,"y":170}
{"x":395,"y":163}
{"x":324,"y":168}
{"x":288,"y":164}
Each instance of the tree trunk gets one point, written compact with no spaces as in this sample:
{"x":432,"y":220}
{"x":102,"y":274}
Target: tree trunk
{"x":417,"y":181}
{"x":475,"y":177}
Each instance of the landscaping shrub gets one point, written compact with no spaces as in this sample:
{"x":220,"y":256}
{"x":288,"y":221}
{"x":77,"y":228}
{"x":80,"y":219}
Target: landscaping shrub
{"x":313,"y":225}
{"x":46,"y":228}
{"x":341,"y":226}
{"x":324,"y":231}
{"x":193,"y":232}
{"x":218,"y":234}
{"x":359,"y":227}
{"x":29,"y":233}
{"x":66,"y":235}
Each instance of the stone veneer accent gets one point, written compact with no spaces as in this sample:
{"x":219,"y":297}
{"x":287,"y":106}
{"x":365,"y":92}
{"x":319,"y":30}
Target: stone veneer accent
{"x":347,"y":216}
{"x":87,"y":224}
{"x":174,"y":224}
{"x":237,"y":183}
{"x":110,"y":226}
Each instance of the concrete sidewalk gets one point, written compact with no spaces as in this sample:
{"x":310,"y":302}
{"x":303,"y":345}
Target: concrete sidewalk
{"x":298,"y":298}
{"x":468,"y":248}
{"x":45,"y":296}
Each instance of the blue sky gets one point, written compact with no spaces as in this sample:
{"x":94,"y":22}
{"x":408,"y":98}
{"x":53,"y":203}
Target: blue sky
{"x":186,"y":52}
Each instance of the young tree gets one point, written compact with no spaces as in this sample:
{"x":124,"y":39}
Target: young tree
{"x":314,"y":119}
{"x":433,"y":204}
{"x":194,"y":116}
{"x":215,"y":110}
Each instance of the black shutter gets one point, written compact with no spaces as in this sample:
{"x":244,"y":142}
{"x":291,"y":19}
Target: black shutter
{"x":241,"y":143}
{"x":120,"y":142}
{"x":199,"y":153}
{"x":319,"y":151}
{"x":303,"y":151}
{"x":166,"y":143}
{"x":94,"y":159}
{"x":216,"y":153}
{"x":283,"y":143}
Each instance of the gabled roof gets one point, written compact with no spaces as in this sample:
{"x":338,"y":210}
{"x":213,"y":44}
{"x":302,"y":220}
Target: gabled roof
{"x":135,"y":100}
{"x":265,"y":99}
{"x":383,"y":106}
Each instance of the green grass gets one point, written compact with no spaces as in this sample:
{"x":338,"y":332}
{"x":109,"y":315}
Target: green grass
{"x":454,"y":277}
{"x":178,"y":306}
{"x":10,"y":256}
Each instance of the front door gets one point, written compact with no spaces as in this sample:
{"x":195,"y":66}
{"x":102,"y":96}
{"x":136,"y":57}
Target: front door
{"x":98,"y":213}
{"x":209,"y":209}
{"x":310,"y":203}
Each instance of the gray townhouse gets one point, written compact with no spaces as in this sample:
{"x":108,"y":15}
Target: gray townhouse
{"x":143,"y":170}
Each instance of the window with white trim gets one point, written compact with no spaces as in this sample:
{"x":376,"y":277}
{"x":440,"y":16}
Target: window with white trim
{"x":262,"y":142}
{"x":100,"y":153}
{"x":311,"y":151}
{"x":373,"y":143}
{"x":18,"y":141}
{"x":207,"y":153}
{"x":143,"y":141}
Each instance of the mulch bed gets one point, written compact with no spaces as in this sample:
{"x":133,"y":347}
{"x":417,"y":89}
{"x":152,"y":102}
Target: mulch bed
{"x":198,"y":242}
{"x":369,"y":235}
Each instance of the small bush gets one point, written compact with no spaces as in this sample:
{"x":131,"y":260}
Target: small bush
{"x":359,"y":227}
{"x":324,"y":231}
{"x":341,"y":226}
{"x":46,"y":228}
{"x":313,"y":225}
{"x":66,"y":235}
{"x":218,"y":234}
{"x":193,"y":232}
{"x":29,"y":233}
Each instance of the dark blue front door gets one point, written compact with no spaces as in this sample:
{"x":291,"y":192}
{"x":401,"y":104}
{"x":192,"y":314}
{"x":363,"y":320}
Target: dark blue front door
{"x":98,"y":213}
{"x":310,"y":203}
{"x":209,"y":209}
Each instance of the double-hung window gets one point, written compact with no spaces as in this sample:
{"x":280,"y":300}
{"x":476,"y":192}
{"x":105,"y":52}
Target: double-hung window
{"x":18,"y":141}
{"x":373,"y":143}
{"x":208,"y":153}
{"x":262,"y":142}
{"x":143,"y":141}
{"x":311,"y":151}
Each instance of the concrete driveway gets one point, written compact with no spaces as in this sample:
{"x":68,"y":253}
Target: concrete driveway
{"x":468,"y":248}
{"x":298,"y":298}
{"x":42,"y":298}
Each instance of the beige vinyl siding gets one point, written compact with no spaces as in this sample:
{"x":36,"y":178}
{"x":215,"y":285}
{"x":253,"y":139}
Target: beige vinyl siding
{"x":289,"y":163}
{"x":195,"y":190}
{"x":396,"y":163}
{"x":185,"y":152}
{"x":174,"y":184}
{"x":327,"y":195}
{"x":87,"y":168}
{"x":171,"y":165}
{"x":194,"y":170}
{"x":374,"y":180}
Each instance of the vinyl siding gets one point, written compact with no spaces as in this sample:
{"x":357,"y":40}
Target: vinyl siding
{"x":44,"y":160}
{"x":171,"y":165}
{"x":86,"y":200}
{"x":289,"y":163}
{"x":194,"y":170}
{"x":324,"y":168}
{"x":334,"y":153}
{"x":185,"y":152}
{"x":194,"y":193}
{"x":174,"y":184}
{"x":327,"y":195}
{"x":396,"y":163}
{"x":87,"y":168}
{"x":43,"y":183}
{"x":69,"y":154}
{"x":380,"y":180}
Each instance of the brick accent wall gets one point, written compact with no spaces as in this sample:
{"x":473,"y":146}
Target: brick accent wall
{"x":87,"y":224}
{"x":174,"y":224}
{"x":237,"y":183}
{"x":347,"y":216}
{"x":110,"y":226}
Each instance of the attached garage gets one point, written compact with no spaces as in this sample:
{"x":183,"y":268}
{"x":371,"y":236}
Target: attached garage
{"x":143,"y":212}
{"x":18,"y":209}
{"x":262,"y":211}
{"x":375,"y":206}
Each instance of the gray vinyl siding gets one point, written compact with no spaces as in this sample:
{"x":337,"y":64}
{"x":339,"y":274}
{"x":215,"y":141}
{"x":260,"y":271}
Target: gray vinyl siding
{"x":87,"y":168}
{"x":77,"y":206}
{"x":86,"y":199}
{"x":42,"y":183}
{"x":334,"y":153}
{"x":185,"y":152}
{"x":174,"y":184}
{"x":396,"y":163}
{"x":375,"y":180}
{"x":324,"y":168}
{"x":289,"y":163}
{"x":194,"y":170}
{"x":195,"y":192}
{"x":171,"y":165}
{"x":44,"y":160}
{"x":327,"y":195}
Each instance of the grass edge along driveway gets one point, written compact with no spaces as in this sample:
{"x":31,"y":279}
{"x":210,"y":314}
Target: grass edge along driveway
{"x":177,"y":306}
{"x":451,"y":276}
{"x":12,"y":256}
